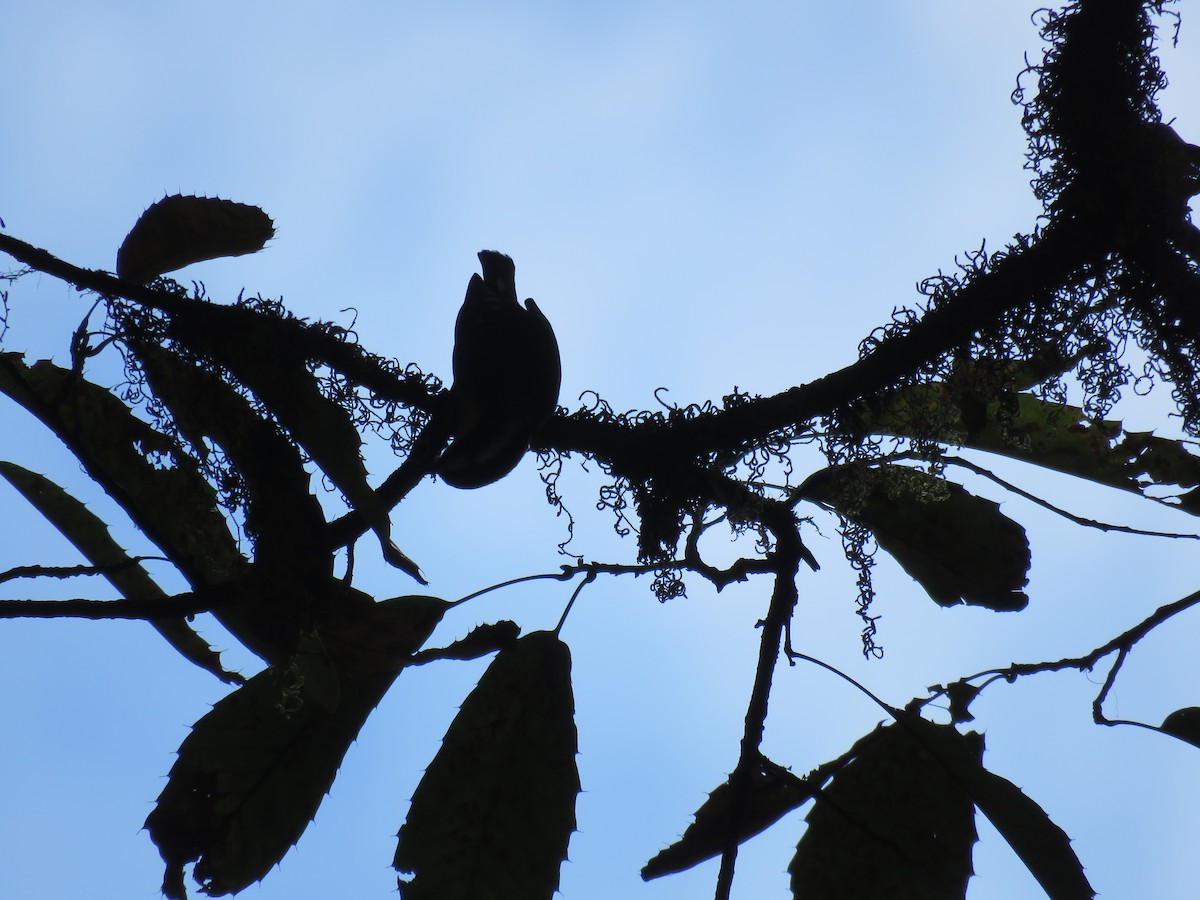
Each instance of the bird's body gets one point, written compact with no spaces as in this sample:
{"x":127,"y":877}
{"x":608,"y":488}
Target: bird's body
{"x":506,"y":377}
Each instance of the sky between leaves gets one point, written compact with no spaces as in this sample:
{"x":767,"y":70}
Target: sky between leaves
{"x":699,"y":196}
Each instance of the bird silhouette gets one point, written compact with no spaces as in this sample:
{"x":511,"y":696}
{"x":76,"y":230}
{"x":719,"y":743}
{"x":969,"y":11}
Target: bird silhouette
{"x":506,"y":377}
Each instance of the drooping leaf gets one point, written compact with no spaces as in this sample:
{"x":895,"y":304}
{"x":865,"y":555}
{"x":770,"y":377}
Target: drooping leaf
{"x":959,"y":547}
{"x":280,"y":498}
{"x":89,"y":535}
{"x":1184,"y":724}
{"x":144,"y":471}
{"x":251,"y":775}
{"x":293,"y":564}
{"x":495,"y":810}
{"x":965,"y":412}
{"x":773,"y":793}
{"x":277,"y":372}
{"x":892,"y":823}
{"x":180,"y":230}
{"x":1043,"y":847}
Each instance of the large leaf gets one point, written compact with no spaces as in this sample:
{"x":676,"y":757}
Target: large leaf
{"x":897,"y":821}
{"x":148,"y":474}
{"x":293,"y":562}
{"x":89,"y":534}
{"x":180,"y":230}
{"x":276,"y":370}
{"x":772,"y":793}
{"x":960,"y":547}
{"x":966,"y":412}
{"x":494,"y":813}
{"x":282,"y":511}
{"x":1043,"y":847}
{"x":892,"y":823}
{"x":254,"y":770}
{"x":160,"y":487}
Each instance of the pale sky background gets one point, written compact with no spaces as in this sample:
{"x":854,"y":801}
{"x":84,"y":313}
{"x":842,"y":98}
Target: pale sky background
{"x":700,"y":196}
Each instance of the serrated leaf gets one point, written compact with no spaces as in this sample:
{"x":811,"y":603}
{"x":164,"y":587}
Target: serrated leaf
{"x":161,"y":489}
{"x":293,"y":563}
{"x":1184,"y":724}
{"x":892,"y":823}
{"x":494,"y":813}
{"x":89,"y":535}
{"x":1043,"y":847}
{"x":773,"y":793}
{"x":281,"y":508}
{"x":144,"y":471}
{"x":276,"y":371}
{"x":251,"y":775}
{"x":959,"y":547}
{"x":180,"y":230}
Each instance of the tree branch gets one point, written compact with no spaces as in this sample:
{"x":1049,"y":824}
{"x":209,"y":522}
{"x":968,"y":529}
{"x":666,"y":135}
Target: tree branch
{"x":419,"y":462}
{"x":789,"y":551}
{"x":173,"y":607}
{"x":73,"y":571}
{"x":315,"y":343}
{"x":1045,"y":504}
{"x":1024,"y":276}
{"x":1121,"y":643}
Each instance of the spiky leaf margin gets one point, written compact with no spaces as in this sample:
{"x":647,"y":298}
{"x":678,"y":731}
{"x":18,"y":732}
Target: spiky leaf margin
{"x":89,"y":534}
{"x":254,"y":770}
{"x":494,"y":812}
{"x":180,"y":230}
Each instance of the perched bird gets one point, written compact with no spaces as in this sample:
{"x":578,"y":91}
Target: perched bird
{"x":506,"y":377}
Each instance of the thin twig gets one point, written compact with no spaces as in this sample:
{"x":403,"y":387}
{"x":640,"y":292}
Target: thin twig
{"x":591,"y":570}
{"x":588,"y":579}
{"x":886,"y":707}
{"x":1098,"y":704}
{"x":1122,"y":642}
{"x":543,"y":576}
{"x":1078,"y":520}
{"x":740,"y":570}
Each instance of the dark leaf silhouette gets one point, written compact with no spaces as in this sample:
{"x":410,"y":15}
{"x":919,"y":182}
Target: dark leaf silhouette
{"x":89,"y":534}
{"x":252,"y":773}
{"x":1058,"y":436}
{"x":897,"y":821}
{"x":961,"y":695}
{"x":1184,"y":724}
{"x":494,"y":813}
{"x":276,"y":370}
{"x":1043,"y":847}
{"x":893,"y":823}
{"x":773,"y":793}
{"x":277,"y":483}
{"x":960,"y":547}
{"x":292,"y":563}
{"x":180,"y":230}
{"x":170,"y":502}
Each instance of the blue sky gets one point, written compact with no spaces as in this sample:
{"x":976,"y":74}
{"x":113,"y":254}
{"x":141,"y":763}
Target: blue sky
{"x":700,"y":197}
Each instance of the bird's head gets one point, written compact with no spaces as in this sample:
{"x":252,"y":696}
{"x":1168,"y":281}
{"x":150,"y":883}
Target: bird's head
{"x":499,"y":274}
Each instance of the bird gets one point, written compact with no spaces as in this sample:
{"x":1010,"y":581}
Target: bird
{"x":507,"y":373}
